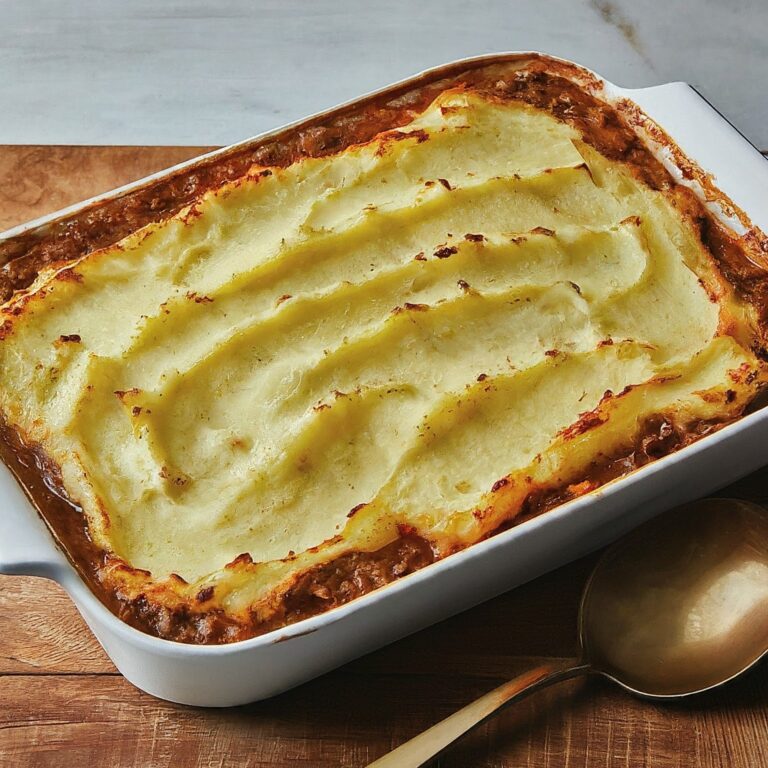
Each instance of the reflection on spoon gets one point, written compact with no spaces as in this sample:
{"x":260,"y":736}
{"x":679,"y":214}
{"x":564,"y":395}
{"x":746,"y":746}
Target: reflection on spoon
{"x":677,"y":607}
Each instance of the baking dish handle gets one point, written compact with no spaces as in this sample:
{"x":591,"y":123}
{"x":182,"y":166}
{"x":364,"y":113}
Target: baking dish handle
{"x":738,"y":168}
{"x":26,"y":545}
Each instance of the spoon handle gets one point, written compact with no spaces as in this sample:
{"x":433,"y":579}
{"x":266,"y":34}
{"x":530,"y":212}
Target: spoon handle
{"x":434,"y":740}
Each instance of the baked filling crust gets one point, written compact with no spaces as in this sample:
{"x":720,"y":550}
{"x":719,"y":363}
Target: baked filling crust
{"x":302,"y":370}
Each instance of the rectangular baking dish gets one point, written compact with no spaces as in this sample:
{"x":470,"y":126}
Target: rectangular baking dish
{"x":264,"y":666}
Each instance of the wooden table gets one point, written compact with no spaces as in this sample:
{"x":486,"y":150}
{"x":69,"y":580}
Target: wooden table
{"x":62,"y":703}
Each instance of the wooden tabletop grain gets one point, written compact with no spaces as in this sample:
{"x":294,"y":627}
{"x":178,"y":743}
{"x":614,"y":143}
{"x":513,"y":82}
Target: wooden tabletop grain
{"x":62,"y":703}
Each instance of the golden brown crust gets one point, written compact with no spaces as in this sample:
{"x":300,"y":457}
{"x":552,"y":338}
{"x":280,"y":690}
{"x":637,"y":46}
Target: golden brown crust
{"x":317,"y":589}
{"x":561,"y":89}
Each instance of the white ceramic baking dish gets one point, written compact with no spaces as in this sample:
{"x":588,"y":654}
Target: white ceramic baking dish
{"x":267,"y":665}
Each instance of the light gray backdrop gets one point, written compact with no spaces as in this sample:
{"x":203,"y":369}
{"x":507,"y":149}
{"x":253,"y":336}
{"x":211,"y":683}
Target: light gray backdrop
{"x":213,"y":72}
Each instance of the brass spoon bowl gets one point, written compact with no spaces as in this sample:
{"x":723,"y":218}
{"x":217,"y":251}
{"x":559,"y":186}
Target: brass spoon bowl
{"x":675,"y":608}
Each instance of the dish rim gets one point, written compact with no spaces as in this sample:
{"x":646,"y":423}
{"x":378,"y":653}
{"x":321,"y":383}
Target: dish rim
{"x":61,"y":570}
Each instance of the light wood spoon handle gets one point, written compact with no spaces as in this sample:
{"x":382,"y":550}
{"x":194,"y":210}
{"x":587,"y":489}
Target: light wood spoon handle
{"x":429,"y":744}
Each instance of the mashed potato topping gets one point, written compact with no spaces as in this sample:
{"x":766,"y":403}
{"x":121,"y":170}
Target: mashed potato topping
{"x":409,"y":334}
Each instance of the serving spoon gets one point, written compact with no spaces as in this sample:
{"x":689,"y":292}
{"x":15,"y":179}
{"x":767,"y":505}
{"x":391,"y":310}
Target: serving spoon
{"x":675,"y":608}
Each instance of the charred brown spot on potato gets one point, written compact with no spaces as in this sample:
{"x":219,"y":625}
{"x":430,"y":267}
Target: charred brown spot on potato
{"x":70,"y":338}
{"x":352,"y":512}
{"x":204,"y":595}
{"x":586,"y":421}
{"x":198,"y":298}
{"x":69,"y":275}
{"x":241,"y":560}
{"x":123,"y":393}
